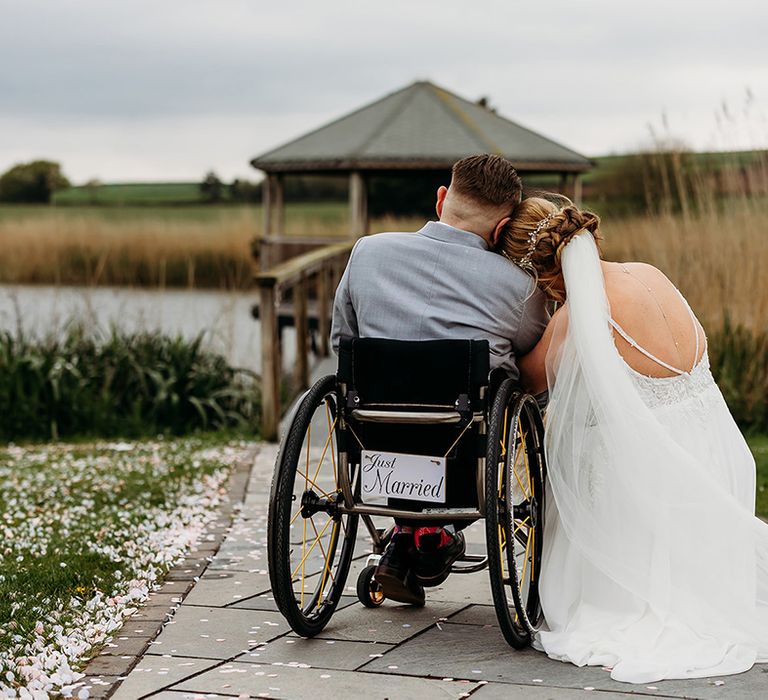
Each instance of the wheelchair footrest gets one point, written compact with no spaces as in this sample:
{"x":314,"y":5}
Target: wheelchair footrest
{"x":470,"y":563}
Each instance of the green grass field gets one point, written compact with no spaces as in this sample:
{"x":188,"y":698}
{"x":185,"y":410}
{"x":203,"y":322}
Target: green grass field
{"x":143,"y":193}
{"x":316,"y":213}
{"x":156,"y":214}
{"x":759,"y":445}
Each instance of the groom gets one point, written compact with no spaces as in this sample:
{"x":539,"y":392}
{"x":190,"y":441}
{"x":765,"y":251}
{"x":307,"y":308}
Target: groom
{"x":442,"y":282}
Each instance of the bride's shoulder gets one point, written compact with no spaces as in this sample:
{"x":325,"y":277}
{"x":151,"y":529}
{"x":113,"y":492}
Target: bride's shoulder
{"x":642,"y":271}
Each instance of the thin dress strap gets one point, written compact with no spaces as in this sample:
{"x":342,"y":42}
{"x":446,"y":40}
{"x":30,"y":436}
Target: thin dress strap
{"x":695,"y":327}
{"x":642,"y":350}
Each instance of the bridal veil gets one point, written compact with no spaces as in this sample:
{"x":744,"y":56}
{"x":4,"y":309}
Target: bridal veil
{"x":655,"y":565}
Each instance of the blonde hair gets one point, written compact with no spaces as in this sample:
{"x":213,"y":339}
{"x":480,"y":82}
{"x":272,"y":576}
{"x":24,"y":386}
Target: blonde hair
{"x":564,"y":223}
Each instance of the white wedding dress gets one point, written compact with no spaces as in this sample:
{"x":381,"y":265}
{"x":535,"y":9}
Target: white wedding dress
{"x":654,"y":563}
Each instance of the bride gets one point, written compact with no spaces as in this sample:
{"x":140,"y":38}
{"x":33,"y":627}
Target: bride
{"x":655,"y":564}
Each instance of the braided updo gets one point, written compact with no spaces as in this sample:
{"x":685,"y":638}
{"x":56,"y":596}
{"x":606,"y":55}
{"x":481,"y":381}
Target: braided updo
{"x":551,"y":240}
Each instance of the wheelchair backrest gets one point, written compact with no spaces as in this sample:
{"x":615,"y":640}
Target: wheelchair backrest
{"x":436,"y":373}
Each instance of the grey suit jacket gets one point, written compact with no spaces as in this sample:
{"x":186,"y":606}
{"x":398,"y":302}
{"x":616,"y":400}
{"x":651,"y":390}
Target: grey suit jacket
{"x":438,"y":283}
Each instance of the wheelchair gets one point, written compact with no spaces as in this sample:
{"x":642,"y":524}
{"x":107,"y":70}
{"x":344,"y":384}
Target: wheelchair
{"x":472,"y":448}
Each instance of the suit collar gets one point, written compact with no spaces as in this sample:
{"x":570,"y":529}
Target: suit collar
{"x":449,"y":234}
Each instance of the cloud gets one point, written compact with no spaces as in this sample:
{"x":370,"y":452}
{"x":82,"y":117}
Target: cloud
{"x":179,"y":74}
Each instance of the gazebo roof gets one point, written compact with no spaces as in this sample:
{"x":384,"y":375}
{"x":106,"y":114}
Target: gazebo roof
{"x":421,"y":126}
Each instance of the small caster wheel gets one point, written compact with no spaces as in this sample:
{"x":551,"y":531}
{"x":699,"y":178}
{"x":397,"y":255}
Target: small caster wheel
{"x":369,"y":592}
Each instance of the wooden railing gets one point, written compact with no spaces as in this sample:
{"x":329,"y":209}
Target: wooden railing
{"x":311,"y":279}
{"x":273,"y":249}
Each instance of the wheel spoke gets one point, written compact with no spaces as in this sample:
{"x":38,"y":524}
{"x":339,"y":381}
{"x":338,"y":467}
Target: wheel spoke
{"x":525,"y":563}
{"x":313,"y":483}
{"x":521,"y":524}
{"x":303,"y":559}
{"x":322,"y":456}
{"x":327,"y":568}
{"x":527,"y":463}
{"x":521,"y":449}
{"x":331,"y":432}
{"x":503,"y":441}
{"x":517,"y":477}
{"x":300,"y":565}
{"x":502,"y":545}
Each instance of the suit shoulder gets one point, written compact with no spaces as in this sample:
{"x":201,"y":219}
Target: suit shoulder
{"x":385,"y":239}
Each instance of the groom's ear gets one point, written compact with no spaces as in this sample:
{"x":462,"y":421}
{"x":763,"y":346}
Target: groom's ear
{"x":441,"y":192}
{"x":495,"y":236}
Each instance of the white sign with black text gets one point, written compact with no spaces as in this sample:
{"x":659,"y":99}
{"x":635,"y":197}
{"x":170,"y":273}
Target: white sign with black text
{"x":394,"y":475}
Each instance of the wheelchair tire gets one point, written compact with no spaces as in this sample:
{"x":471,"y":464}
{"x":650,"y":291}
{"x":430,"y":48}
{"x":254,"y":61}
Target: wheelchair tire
{"x":310,"y":543}
{"x":369,"y":592}
{"x":515,"y":472}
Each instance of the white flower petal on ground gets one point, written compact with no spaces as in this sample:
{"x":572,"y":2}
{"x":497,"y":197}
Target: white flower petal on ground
{"x":141,"y":538}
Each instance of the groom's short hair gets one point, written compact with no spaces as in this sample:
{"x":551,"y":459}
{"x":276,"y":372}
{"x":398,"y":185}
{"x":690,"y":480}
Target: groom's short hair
{"x":489,"y":180}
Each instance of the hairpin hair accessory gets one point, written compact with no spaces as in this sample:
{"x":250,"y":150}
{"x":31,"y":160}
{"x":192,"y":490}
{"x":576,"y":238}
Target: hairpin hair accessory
{"x":533,"y":239}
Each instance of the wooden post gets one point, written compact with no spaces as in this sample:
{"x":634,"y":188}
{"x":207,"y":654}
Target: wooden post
{"x":278,"y":204}
{"x":323,"y":308}
{"x":300,"y":294}
{"x":577,"y":190}
{"x":270,"y":364}
{"x":563,"y":184}
{"x":337,"y":270}
{"x":266,"y":206}
{"x":358,"y":205}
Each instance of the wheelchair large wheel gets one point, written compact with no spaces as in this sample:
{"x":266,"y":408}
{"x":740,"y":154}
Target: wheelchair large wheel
{"x":310,"y":542}
{"x":515,"y":472}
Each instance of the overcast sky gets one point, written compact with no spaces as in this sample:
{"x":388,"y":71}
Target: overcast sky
{"x":167,"y":89}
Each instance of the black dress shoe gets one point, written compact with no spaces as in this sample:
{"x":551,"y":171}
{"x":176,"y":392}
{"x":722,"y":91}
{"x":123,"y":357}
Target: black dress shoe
{"x":436,"y":551}
{"x":393,"y":573}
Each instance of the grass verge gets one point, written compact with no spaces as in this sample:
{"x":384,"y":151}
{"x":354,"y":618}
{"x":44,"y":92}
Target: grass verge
{"x":87,"y":532}
{"x":759,"y":446}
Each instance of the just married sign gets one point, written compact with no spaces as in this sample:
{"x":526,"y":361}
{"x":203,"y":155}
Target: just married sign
{"x":395,"y":475}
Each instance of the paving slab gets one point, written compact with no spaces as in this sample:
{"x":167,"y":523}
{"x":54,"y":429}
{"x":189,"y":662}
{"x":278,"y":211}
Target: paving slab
{"x":463,"y":588}
{"x":98,"y":687}
{"x":221,"y":588}
{"x":319,"y":684}
{"x":217,"y":633}
{"x":266,"y":601}
{"x":181,"y":695}
{"x":483,"y":615}
{"x":475,"y":653}
{"x":154,"y":673}
{"x":110,"y":665}
{"x":391,"y":624}
{"x":317,"y":653}
{"x":506,"y":691}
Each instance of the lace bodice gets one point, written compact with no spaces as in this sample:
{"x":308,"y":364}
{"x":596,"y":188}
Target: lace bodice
{"x":666,"y":391}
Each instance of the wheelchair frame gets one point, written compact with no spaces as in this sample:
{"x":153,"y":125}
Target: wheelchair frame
{"x":508,"y":422}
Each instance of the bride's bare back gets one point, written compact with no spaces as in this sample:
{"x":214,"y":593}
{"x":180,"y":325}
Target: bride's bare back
{"x":651,"y":311}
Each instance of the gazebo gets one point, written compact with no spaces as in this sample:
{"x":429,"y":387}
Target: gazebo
{"x":421,"y":127}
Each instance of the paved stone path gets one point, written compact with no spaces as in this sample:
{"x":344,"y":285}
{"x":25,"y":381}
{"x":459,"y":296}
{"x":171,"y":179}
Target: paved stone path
{"x":227,"y":640}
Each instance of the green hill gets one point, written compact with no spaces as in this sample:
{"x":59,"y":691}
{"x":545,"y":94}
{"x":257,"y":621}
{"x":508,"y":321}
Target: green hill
{"x":131,"y":194}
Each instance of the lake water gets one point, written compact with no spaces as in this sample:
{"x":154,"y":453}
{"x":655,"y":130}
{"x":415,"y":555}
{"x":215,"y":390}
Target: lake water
{"x":224,"y":317}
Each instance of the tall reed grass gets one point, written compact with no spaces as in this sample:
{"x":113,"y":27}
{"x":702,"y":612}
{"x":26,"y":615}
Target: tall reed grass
{"x":717,"y":258}
{"x":706,"y":229}
{"x":739,"y":359}
{"x":152,"y":247}
{"x":119,"y":385}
